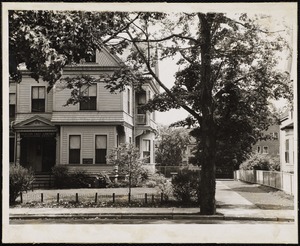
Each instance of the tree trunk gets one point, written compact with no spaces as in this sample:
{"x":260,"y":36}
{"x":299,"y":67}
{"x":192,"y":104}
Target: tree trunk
{"x":207,"y":125}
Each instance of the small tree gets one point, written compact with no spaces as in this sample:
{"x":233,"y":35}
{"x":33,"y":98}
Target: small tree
{"x":20,"y":179}
{"x":128,"y":160}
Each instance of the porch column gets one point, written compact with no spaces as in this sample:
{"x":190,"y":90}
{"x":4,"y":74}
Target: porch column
{"x":57,"y":145}
{"x":18,"y":148}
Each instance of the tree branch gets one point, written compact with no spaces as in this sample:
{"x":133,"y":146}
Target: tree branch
{"x":188,"y":109}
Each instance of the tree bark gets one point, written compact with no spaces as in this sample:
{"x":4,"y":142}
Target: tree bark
{"x":207,"y":127}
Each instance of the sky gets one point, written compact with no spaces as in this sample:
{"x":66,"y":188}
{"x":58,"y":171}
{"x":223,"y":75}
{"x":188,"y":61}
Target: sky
{"x":168,"y":68}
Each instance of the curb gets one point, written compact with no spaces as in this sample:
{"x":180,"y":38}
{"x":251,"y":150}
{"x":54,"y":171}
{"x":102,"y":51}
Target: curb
{"x":147,"y":216}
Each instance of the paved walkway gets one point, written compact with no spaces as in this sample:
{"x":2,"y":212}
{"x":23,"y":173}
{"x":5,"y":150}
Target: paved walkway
{"x":230,"y":206}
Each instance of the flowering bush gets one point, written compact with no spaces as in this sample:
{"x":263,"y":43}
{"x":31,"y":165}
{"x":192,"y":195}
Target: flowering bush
{"x":161,"y":183}
{"x":261,"y":162}
{"x":20,"y":179}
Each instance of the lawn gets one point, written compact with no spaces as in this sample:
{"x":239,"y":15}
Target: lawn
{"x":89,"y":195}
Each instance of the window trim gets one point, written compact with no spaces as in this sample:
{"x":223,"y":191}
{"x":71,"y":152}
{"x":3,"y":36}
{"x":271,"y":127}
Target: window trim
{"x":80,"y":152}
{"x":95,"y":136}
{"x":31,"y":101}
{"x":89,"y":98}
{"x":147,"y":150}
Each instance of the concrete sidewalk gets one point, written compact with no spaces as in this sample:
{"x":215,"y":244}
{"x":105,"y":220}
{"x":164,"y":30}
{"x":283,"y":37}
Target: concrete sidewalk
{"x":230,"y":206}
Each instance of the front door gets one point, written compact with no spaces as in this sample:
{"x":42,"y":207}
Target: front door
{"x":38,"y":152}
{"x":49,"y":154}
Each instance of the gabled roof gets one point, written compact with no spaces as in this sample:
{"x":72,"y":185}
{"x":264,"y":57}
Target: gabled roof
{"x":35,"y":122}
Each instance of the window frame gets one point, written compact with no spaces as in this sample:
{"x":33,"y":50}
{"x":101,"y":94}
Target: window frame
{"x":146,"y":153}
{"x":79,"y":150}
{"x":100,"y":162}
{"x":38,"y":100}
{"x":90,"y":102}
{"x":287,"y":151}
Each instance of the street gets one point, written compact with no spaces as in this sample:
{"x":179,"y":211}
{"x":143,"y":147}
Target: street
{"x":138,"y":221}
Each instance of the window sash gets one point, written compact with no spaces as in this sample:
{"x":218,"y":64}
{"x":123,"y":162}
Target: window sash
{"x":89,"y":91}
{"x":101,"y":142}
{"x":75,"y":142}
{"x":146,"y":145}
{"x":38,"y":105}
{"x":88,"y":103}
{"x":12,"y":99}
{"x":38,"y":92}
{"x":100,"y":156}
{"x":74,"y":156}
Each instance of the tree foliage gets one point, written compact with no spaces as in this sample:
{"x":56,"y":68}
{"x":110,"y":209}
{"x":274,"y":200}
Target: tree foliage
{"x":171,"y":145}
{"x":127,"y":158}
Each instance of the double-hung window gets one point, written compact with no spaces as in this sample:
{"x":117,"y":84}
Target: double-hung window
{"x":146,"y":150}
{"x":128,"y":101}
{"x":12,"y":105}
{"x":287,"y":151}
{"x":74,"y":149}
{"x":89,"y":100}
{"x":101,"y":149}
{"x":38,"y":99}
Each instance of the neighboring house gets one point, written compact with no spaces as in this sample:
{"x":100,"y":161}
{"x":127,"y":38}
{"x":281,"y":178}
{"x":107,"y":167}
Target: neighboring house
{"x":188,"y":152}
{"x":269,"y":147}
{"x":45,"y":133}
{"x":287,"y":142}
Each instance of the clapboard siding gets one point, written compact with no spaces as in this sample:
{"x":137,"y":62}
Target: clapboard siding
{"x":91,"y":169}
{"x":61,"y":95}
{"x":24,"y":95}
{"x":87,"y":140}
{"x":108,"y":101}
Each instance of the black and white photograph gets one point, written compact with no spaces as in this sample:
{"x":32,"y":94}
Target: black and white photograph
{"x":149,"y":122}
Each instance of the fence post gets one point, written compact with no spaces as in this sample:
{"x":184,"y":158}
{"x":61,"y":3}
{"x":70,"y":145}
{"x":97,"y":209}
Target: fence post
{"x":21,"y":197}
{"x":161,"y":197}
{"x":152,"y":198}
{"x":96,"y":197}
{"x":77,"y":198}
{"x":57,"y":198}
{"x":113,"y":195}
{"x":42,"y":197}
{"x":146,"y":198}
{"x":129,"y":197}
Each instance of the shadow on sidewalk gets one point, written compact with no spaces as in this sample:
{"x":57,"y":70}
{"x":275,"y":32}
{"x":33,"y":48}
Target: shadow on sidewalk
{"x":248,"y":189}
{"x":275,"y":207}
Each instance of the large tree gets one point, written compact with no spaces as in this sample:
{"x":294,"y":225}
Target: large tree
{"x":171,"y":145}
{"x":221,"y":59}
{"x":228,"y":73}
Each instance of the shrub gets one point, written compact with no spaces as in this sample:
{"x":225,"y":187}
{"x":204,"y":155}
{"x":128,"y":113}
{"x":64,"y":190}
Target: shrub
{"x":186,"y":186}
{"x":20,"y":179}
{"x":80,"y":179}
{"x":161,"y":183}
{"x":261,"y":162}
{"x":61,"y":176}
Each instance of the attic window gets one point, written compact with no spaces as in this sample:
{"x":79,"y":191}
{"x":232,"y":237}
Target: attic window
{"x":90,"y":56}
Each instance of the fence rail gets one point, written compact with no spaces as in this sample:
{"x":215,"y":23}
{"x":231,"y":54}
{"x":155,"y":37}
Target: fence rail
{"x":150,"y":198}
{"x":279,"y":180}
